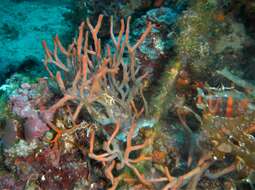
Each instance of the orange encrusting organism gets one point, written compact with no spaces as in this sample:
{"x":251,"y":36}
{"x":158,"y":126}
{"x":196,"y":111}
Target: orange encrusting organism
{"x":220,"y":16}
{"x":229,"y":107}
{"x":199,"y":100}
{"x":158,"y":3}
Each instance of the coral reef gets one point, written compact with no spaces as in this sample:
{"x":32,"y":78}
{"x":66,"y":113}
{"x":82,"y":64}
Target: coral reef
{"x":106,"y":86}
{"x":23,"y":103}
{"x":159,"y":101}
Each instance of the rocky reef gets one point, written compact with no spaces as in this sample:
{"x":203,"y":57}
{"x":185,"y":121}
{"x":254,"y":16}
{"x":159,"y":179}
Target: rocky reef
{"x":144,"y":95}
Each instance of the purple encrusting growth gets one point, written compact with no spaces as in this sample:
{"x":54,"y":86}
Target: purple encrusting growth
{"x":22,"y":105}
{"x":11,"y":133}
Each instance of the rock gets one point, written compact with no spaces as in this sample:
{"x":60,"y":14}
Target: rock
{"x":12,"y":132}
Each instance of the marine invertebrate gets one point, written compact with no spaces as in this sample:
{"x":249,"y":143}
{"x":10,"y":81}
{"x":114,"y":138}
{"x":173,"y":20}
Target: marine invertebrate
{"x":116,"y":158}
{"x":104,"y":83}
{"x":191,"y":178}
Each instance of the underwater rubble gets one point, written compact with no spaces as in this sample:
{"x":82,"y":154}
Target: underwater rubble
{"x":148,"y":95}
